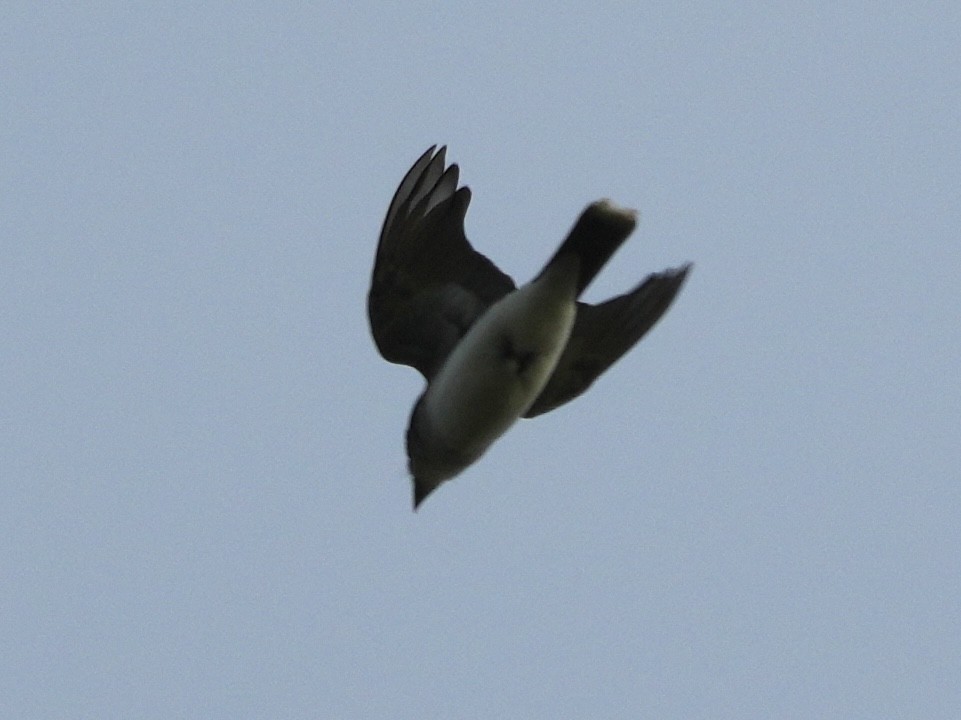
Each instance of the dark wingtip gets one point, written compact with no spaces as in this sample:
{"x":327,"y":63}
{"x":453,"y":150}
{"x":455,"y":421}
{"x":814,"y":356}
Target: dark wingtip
{"x":679,"y":274}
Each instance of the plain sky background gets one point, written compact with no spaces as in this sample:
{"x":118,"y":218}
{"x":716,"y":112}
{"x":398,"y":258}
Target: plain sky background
{"x":205,"y":511}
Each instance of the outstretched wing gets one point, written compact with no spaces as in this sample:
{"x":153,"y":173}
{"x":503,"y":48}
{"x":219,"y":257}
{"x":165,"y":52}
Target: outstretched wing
{"x":603,"y":333}
{"x":428,"y":285}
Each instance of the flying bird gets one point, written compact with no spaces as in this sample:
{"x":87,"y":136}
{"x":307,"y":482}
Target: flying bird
{"x":492,"y":352}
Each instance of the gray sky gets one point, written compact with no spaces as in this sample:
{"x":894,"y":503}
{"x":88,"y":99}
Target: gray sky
{"x":205,"y":508}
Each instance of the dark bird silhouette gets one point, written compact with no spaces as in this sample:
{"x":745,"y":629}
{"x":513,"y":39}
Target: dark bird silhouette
{"x":492,"y":352}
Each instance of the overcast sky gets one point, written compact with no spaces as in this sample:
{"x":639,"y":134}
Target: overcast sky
{"x":205,"y":511}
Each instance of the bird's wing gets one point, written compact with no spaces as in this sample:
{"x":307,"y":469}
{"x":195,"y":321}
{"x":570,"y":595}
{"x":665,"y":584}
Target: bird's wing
{"x":603,"y":333}
{"x":428,"y":285}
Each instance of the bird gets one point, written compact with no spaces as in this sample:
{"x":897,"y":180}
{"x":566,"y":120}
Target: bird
{"x":490,"y":351}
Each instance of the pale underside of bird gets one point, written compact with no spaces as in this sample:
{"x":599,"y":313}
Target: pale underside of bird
{"x":492,"y":352}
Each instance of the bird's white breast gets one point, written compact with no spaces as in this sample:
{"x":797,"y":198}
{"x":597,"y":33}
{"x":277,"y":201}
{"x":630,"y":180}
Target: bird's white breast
{"x":483,"y":388}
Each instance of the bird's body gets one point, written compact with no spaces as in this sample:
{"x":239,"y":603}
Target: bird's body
{"x":493,"y":353}
{"x":493,"y":375}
